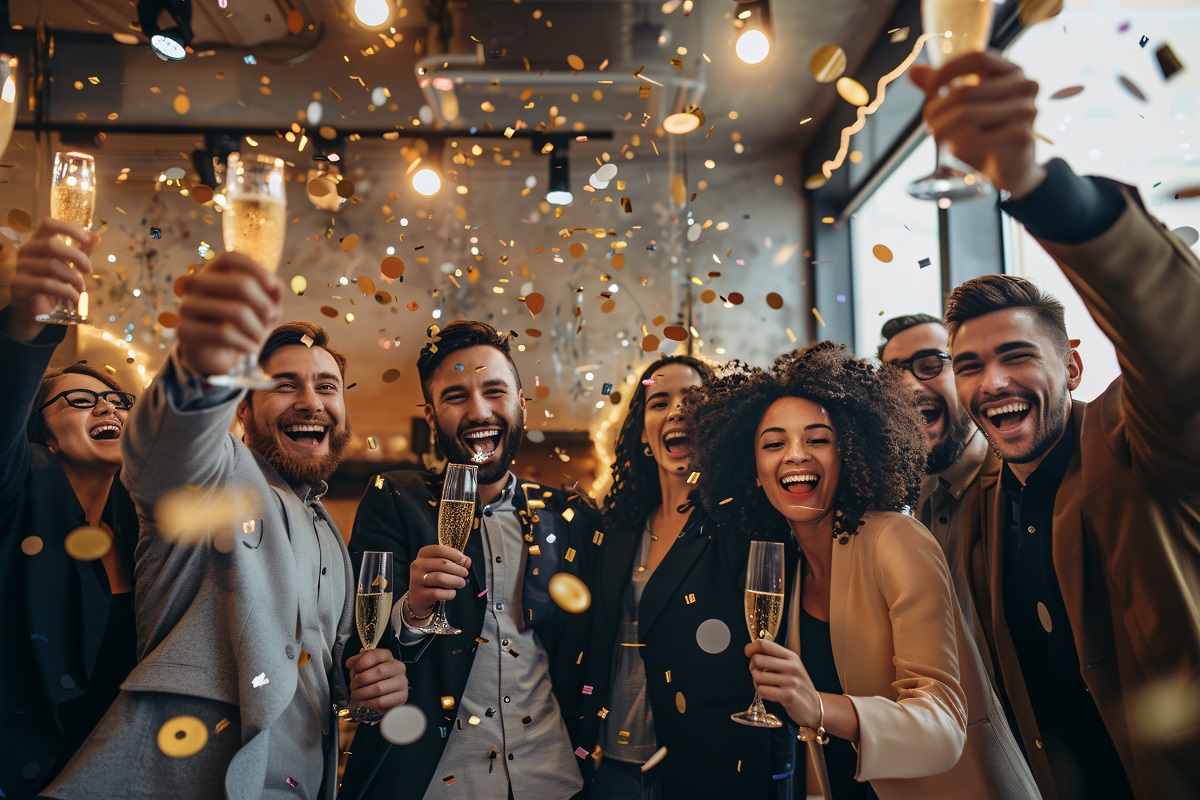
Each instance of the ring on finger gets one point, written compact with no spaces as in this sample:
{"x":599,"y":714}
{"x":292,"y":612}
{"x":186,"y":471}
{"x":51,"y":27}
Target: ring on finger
{"x":424,"y":581}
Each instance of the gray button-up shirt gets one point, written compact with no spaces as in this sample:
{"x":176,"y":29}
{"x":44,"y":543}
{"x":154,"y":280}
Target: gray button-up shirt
{"x":509,"y":731}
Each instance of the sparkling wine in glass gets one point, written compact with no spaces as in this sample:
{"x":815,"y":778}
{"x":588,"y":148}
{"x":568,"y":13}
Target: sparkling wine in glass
{"x":953,"y":28}
{"x":456,"y":517}
{"x":72,"y":199}
{"x":253,"y":223}
{"x":764,"y":610}
{"x":8,"y":98}
{"x":372,"y":611}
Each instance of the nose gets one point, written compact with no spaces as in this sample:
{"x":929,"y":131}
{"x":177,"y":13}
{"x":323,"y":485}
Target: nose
{"x":308,"y":400}
{"x":479,"y":410}
{"x":994,"y":380}
{"x":676,"y":412}
{"x":797,"y":451}
{"x":103,"y":406}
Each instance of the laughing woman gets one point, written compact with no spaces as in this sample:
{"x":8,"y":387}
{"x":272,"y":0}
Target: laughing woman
{"x":66,"y":619}
{"x":667,"y":667}
{"x":826,"y":447}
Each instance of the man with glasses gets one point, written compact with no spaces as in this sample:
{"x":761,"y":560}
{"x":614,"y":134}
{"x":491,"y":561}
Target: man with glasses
{"x":67,"y":526}
{"x":918,"y":344}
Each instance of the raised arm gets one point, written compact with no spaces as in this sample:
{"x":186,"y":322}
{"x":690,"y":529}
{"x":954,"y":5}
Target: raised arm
{"x":1140,"y":283}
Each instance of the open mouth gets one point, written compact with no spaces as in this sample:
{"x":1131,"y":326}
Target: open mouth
{"x":803,"y":483}
{"x":932,"y":412}
{"x":1009,"y":415}
{"x":105,"y":431}
{"x":482,"y":443}
{"x":676,"y":444}
{"x":306,"y":435}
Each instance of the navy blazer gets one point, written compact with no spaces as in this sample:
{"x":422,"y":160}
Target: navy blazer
{"x":692,"y":692}
{"x":398,"y":513}
{"x":54,"y":610}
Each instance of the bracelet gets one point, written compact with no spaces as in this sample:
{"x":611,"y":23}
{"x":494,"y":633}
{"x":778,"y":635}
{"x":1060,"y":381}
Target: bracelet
{"x":819,"y":736}
{"x":407,"y":606}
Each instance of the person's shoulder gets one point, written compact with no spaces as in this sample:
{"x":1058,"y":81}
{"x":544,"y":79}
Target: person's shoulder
{"x":404,"y":480}
{"x":885,"y":528}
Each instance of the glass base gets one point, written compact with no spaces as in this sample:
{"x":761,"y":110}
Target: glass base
{"x":247,"y":375}
{"x":950,"y":184}
{"x":62,"y":315}
{"x":365,"y":716}
{"x":438,"y":626}
{"x":757,"y":719}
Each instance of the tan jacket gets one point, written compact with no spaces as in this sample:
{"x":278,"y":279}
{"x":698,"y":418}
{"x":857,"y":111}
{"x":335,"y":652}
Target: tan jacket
{"x":1127,"y":515}
{"x":893,"y":623}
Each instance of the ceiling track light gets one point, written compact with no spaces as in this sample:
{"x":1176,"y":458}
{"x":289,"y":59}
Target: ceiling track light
{"x":559,"y":187}
{"x":169,"y":43}
{"x":753,"y":23}
{"x":686,"y":115}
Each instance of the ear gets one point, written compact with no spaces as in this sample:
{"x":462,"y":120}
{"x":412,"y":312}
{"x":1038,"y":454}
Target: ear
{"x":521,"y":403}
{"x":51,"y":443}
{"x":242,"y":408}
{"x":1074,"y":369}
{"x":431,"y":420}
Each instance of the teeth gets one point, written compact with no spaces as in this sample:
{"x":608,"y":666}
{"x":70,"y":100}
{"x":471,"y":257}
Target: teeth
{"x":484,"y":434}
{"x":807,"y":478}
{"x":106,"y":427}
{"x":306,"y":429}
{"x":1010,"y":408}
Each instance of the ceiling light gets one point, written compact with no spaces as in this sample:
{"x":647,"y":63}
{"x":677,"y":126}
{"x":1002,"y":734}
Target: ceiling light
{"x":753,"y":44}
{"x":168,"y":43}
{"x":372,"y":13}
{"x":426,"y":182}
{"x":684,"y":121}
{"x":560,"y":176}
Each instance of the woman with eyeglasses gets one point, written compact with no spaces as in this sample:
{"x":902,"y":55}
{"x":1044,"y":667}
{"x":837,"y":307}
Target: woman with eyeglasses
{"x":66,"y":620}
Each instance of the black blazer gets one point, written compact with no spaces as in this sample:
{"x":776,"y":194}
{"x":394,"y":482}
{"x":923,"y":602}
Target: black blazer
{"x":54,"y":610}
{"x":398,"y":513}
{"x":692,"y":693}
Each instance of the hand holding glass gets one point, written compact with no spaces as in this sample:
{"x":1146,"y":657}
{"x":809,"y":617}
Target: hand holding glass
{"x":456,"y":517}
{"x":372,"y":611}
{"x":72,"y":199}
{"x":764,"y":611}
{"x":253,"y":223}
{"x":953,"y":28}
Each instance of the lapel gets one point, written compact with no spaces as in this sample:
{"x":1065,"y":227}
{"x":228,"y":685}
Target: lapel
{"x":843,"y":565}
{"x":675,"y":566}
{"x":620,"y":550}
{"x":1067,"y":545}
{"x":285,"y":574}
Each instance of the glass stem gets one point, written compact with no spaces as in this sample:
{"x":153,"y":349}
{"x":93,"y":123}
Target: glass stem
{"x":757,"y":709}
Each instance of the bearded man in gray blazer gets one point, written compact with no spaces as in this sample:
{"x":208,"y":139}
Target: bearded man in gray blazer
{"x":240,"y":632}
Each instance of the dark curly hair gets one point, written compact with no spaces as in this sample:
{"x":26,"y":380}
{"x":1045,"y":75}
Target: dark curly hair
{"x":879,"y":438}
{"x":635,"y":492}
{"x":459,"y":335}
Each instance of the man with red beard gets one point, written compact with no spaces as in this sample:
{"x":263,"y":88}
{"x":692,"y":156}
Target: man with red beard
{"x":918,"y":344}
{"x":503,"y":697}
{"x":1085,"y":551}
{"x":241,"y":632}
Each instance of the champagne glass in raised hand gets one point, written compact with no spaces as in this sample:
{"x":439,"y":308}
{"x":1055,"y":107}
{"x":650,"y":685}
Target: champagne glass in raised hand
{"x":72,"y":199}
{"x":456,"y":517}
{"x":764,"y":610}
{"x":253,"y":223}
{"x":953,"y":28}
{"x":372,"y":610}
{"x":8,"y":98}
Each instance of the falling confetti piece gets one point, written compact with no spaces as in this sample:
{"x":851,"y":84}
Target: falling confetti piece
{"x":182,"y":737}
{"x":403,"y":725}
{"x":349,"y":243}
{"x":31,"y":545}
{"x":853,"y":92}
{"x":1070,"y":91}
{"x":168,"y":319}
{"x":653,"y":760}
{"x":447,"y":701}
{"x":577,"y":249}
{"x":581,"y":753}
{"x":775,"y":300}
{"x":1132,"y":88}
{"x":391,"y":376}
{"x":924,"y":262}
{"x":290,"y":781}
{"x":20,"y":220}
{"x":650,"y":343}
{"x":707,"y":296}
{"x":820,"y":319}
{"x":575,"y":62}
{"x":882,"y":253}
{"x":87,"y":543}
{"x":295,"y":22}
{"x":570,"y":593}
{"x":535,"y":302}
{"x":676,"y":333}
{"x":648,"y":382}
{"x":1187,"y":235}
{"x":828,"y":63}
{"x":202,"y":194}
{"x":304,"y":658}
{"x":713,"y":636}
{"x":260,"y":680}
{"x":680,"y":703}
{"x":182,"y":104}
{"x":606,"y":389}
{"x":1168,"y":62}
{"x":299,"y":285}
{"x":736,"y":298}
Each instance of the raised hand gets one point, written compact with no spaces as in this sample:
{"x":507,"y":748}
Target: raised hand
{"x":48,"y":270}
{"x":437,"y":573}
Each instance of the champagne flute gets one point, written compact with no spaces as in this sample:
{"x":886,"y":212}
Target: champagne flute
{"x":8,"y":98}
{"x":72,"y":199}
{"x":953,"y":28}
{"x":253,"y":223}
{"x":372,"y":610}
{"x":456,"y":517}
{"x":764,"y":610}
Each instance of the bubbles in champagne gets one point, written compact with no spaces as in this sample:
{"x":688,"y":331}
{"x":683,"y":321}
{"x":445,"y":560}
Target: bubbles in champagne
{"x":75,"y":204}
{"x":455,"y":518}
{"x":254,"y":225}
{"x":372,"y":610}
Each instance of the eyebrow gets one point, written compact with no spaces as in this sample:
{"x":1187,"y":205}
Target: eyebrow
{"x":1007,"y":347}
{"x":806,"y":427}
{"x":919,"y":354}
{"x":655,"y":396}
{"x":296,"y":376}
{"x":490,"y":383}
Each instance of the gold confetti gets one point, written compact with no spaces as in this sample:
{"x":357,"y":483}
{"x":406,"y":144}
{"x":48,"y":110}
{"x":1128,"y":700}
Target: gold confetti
{"x":391,"y":375}
{"x":372,"y":443}
{"x":568,"y":514}
{"x":575,"y":62}
{"x":680,"y":703}
{"x":650,"y":343}
{"x":820,"y":319}
{"x":676,"y":333}
{"x":31,"y":545}
{"x":653,"y":761}
{"x":828,"y":63}
{"x":168,"y":319}
{"x":182,"y":104}
{"x":775,"y":300}
{"x":447,"y":701}
{"x":221,"y":725}
{"x":570,"y":593}
{"x":87,"y":543}
{"x":693,"y":478}
{"x":304,"y":657}
{"x":182,"y":737}
{"x":882,"y":252}
{"x":392,"y":267}
{"x":570,"y":555}
{"x":535,"y":302}
{"x":852,"y":92}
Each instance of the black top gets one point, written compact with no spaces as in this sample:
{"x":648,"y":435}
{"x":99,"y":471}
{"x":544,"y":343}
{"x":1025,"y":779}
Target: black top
{"x":1081,"y":753}
{"x":840,"y":759}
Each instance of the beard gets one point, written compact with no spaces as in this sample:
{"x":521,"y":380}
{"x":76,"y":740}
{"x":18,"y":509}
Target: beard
{"x":495,"y":467}
{"x":958,"y":432}
{"x":1052,"y":422}
{"x":297,"y":470}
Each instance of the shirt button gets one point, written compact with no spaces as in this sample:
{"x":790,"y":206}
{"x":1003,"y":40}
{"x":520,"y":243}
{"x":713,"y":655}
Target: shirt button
{"x":510,"y":756}
{"x":291,"y":651}
{"x":507,"y":699}
{"x":1031,"y":529}
{"x":499,"y":606}
{"x":497,"y":559}
{"x":67,"y":682}
{"x":1038,"y":742}
{"x":944,"y":520}
{"x":504,"y":642}
{"x":324,"y":570}
{"x":487,"y":511}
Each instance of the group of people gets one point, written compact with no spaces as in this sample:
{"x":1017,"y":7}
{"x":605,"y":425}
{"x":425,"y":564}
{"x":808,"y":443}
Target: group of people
{"x":992,"y":590}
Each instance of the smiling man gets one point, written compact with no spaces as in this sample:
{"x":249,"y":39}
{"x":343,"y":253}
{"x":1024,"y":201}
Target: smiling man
{"x":240,"y":633}
{"x":503,"y":697}
{"x":1085,"y":556}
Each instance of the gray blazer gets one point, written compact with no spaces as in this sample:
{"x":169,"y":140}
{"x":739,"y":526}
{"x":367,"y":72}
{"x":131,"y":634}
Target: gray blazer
{"x":215,"y":619}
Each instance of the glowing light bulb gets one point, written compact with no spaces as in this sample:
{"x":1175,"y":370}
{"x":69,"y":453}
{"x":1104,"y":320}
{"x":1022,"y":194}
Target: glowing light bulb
{"x":372,"y":13}
{"x":427,"y":182}
{"x":752,"y":46}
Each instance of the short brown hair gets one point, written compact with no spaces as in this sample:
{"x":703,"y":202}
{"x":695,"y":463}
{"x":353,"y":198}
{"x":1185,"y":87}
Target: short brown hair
{"x":459,"y":335}
{"x":294,"y":333}
{"x":36,"y":427}
{"x":983,"y":295}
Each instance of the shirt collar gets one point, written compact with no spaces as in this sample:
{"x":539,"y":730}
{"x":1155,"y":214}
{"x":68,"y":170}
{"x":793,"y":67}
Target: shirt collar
{"x":311,"y":494}
{"x":505,"y":501}
{"x":958,"y":476}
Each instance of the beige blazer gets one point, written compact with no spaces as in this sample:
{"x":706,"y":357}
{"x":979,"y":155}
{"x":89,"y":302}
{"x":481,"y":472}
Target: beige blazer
{"x":894,"y":625}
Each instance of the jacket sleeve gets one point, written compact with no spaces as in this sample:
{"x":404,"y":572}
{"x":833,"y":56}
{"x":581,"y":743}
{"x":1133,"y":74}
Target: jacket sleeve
{"x":1141,"y":284}
{"x":922,"y":729}
{"x":25,"y":363}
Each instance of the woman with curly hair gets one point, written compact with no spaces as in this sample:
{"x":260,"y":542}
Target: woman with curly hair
{"x":829,"y":447}
{"x":665,"y":671}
